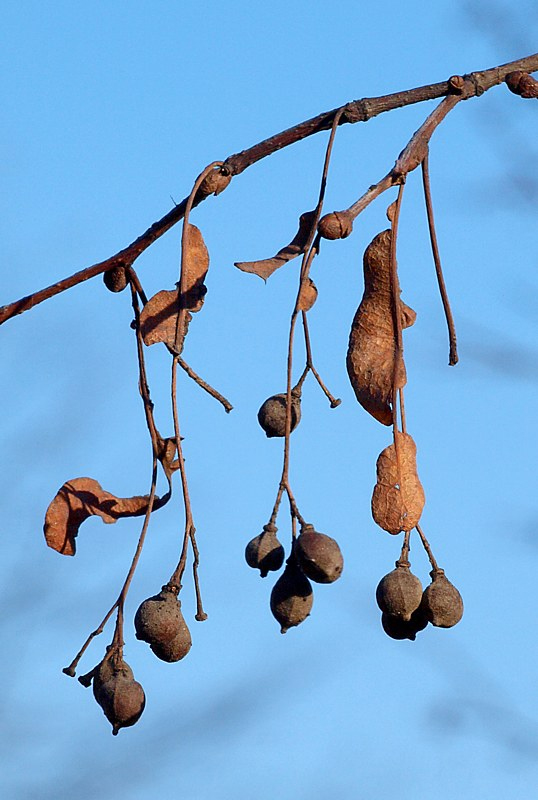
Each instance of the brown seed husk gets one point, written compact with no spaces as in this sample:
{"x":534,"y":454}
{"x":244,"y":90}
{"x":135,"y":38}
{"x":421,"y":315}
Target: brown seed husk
{"x":441,"y":602}
{"x":398,"y":498}
{"x":175,"y":649}
{"x":291,"y":598}
{"x":372,"y":350}
{"x":400,"y":592}
{"x":79,"y":499}
{"x":265,"y":552}
{"x":336,"y":225}
{"x":119,"y":695}
{"x":272,"y":414}
{"x":308,"y":295}
{"x":159,"y":621}
{"x":115,"y":279}
{"x":397,"y":628}
{"x":318,"y":555}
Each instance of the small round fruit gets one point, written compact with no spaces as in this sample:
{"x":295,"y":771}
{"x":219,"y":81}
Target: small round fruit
{"x":119,"y":695}
{"x":265,"y":552}
{"x":441,"y":601}
{"x":336,"y":225}
{"x":160,"y":623}
{"x":115,"y":279}
{"x":318,"y":555}
{"x":291,"y":598}
{"x":272,"y":414}
{"x":397,"y":628}
{"x":400,"y":592}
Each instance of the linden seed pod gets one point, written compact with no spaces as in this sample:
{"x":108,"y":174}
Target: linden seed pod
{"x":337,"y":225}
{"x":397,"y":628}
{"x":272,"y":414}
{"x":400,"y":592}
{"x":318,"y":555}
{"x":119,"y":695}
{"x":291,"y":598}
{"x":265,"y":552}
{"x":160,"y":623}
{"x":115,"y":279}
{"x":215,"y":182}
{"x":441,"y":602}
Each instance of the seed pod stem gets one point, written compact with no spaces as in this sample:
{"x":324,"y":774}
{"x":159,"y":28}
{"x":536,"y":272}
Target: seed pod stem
{"x":426,"y":546}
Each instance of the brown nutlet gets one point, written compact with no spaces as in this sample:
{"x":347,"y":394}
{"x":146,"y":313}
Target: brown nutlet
{"x":272,"y":414}
{"x":318,"y":555}
{"x":119,"y":695}
{"x":336,"y":225}
{"x":400,"y":592}
{"x":441,"y":602}
{"x":292,"y":597}
{"x":115,"y":279}
{"x":160,"y":623}
{"x":265,"y":552}
{"x":397,"y":628}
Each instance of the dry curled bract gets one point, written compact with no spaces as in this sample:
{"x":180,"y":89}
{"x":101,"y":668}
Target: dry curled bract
{"x":267,"y":266}
{"x":195,"y":266}
{"x":398,"y":497}
{"x":159,"y":320}
{"x":372,"y":351}
{"x":79,"y":499}
{"x":307,"y":295}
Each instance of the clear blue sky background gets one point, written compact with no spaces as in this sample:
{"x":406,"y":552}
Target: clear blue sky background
{"x":110,"y":109}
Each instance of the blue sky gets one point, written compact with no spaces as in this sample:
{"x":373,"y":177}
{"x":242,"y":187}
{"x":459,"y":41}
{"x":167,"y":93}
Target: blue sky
{"x":110,"y":112}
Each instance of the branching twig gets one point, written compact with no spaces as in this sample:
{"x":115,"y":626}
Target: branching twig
{"x":474,"y":84}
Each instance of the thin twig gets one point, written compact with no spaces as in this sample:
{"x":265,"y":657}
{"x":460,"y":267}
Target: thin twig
{"x":205,"y":386}
{"x":334,"y":401}
{"x":404,"y":555}
{"x":474,"y":84}
{"x":427,"y":547}
{"x":453,"y":352}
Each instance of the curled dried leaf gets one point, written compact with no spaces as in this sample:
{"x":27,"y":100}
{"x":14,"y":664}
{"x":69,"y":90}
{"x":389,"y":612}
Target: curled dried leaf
{"x":195,"y":266}
{"x":159,"y":319}
{"x":79,"y":499}
{"x":398,"y":497}
{"x":267,"y":266}
{"x":372,"y":350}
{"x":307,"y":295}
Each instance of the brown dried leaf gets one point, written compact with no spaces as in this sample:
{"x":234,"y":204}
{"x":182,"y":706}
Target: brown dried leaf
{"x":159,"y":319}
{"x":398,"y":497}
{"x":372,"y":350}
{"x":195,"y":266}
{"x":79,"y":499}
{"x":297,"y":245}
{"x":166,"y":455}
{"x":308,"y":295}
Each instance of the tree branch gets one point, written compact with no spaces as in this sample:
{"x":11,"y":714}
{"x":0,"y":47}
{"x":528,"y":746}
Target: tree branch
{"x":472,"y":85}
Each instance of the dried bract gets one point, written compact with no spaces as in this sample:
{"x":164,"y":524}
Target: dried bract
{"x":398,"y":498}
{"x":399,"y":593}
{"x":291,"y":598}
{"x":195,"y":266}
{"x":267,"y":266}
{"x":307,"y":295}
{"x":79,"y":499}
{"x":441,"y":603}
{"x":272,"y":414}
{"x":265,"y":552}
{"x":159,"y":320}
{"x":318,"y":555}
{"x":119,"y":695}
{"x":372,"y":351}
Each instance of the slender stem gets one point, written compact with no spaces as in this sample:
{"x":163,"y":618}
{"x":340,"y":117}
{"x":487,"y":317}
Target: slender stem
{"x":427,"y":547}
{"x":334,"y":401}
{"x":404,"y":555}
{"x":453,"y":351}
{"x":205,"y":386}
{"x":394,"y":216}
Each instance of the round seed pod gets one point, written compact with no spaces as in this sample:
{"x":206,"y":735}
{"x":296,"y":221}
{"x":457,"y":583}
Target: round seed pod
{"x":272,"y":414}
{"x":318,"y":555}
{"x":160,"y":623}
{"x":215,"y":182}
{"x":397,"y":628}
{"x":291,"y":598}
{"x":119,"y":695}
{"x":265,"y":552}
{"x":336,"y":225}
{"x":441,"y":602}
{"x":115,"y":279}
{"x":400,"y":592}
